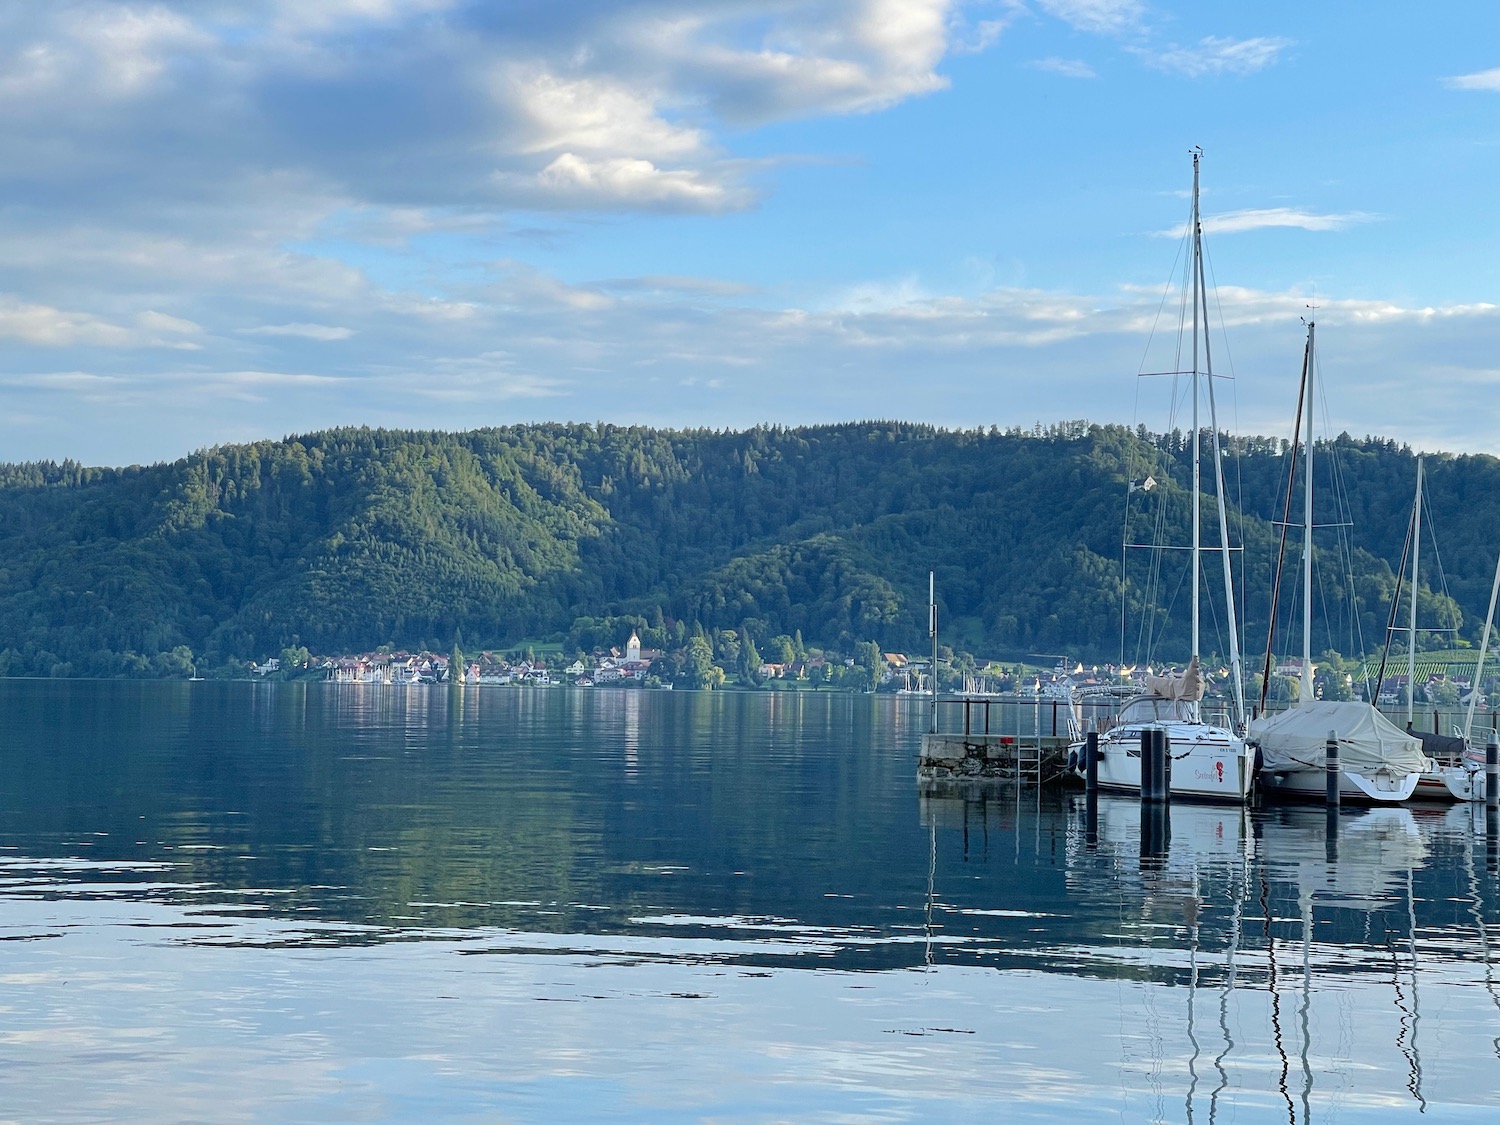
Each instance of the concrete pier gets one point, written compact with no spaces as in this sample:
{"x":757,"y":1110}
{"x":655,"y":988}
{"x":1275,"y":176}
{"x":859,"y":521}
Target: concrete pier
{"x":1035,"y":759}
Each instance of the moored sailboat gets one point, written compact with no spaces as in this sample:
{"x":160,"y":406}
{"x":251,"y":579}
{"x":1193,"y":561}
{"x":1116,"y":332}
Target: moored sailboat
{"x":1456,"y":769}
{"x":1378,"y":762}
{"x":1209,"y":762}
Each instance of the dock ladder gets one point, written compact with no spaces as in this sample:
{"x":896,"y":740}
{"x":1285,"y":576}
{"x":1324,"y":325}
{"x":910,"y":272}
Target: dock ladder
{"x":1029,"y":761}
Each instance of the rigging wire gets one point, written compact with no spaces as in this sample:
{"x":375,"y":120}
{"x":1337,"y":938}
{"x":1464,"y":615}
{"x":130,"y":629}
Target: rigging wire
{"x":1166,"y":292}
{"x":1286,"y":515}
{"x":1343,"y":524}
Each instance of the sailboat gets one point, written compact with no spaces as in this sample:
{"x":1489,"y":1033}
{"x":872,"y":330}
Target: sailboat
{"x":1378,"y":762}
{"x":1208,"y":762}
{"x":1456,"y":772}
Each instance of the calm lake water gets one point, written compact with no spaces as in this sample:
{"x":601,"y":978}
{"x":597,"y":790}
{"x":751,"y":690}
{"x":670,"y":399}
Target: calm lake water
{"x":253,"y":902}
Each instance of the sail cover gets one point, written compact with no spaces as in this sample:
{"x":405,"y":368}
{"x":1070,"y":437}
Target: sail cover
{"x":1186,"y":685}
{"x":1297,"y":739}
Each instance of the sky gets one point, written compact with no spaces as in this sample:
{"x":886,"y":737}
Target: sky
{"x":226,"y":220}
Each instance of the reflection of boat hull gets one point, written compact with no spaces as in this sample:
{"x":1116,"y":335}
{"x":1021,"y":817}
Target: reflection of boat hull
{"x":1208,"y":763}
{"x":1379,"y":787}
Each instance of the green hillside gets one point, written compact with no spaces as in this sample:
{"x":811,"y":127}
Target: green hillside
{"x":351,"y":538}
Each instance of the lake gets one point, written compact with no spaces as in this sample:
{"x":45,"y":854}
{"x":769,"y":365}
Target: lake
{"x":262,"y":902}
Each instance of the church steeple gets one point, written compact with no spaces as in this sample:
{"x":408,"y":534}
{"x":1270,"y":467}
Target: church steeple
{"x":633,"y":647}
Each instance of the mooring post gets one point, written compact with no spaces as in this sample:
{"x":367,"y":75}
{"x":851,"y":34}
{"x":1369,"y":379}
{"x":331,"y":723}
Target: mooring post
{"x":1156,"y":826}
{"x":1492,"y":772}
{"x":1154,"y":776}
{"x":1146,"y":760}
{"x":1054,"y":718}
{"x":1331,"y":769}
{"x":1166,"y":766}
{"x":1091,"y":762}
{"x":966,"y":717}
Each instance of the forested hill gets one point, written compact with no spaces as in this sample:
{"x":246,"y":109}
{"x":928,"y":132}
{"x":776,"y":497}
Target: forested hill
{"x":351,"y":538}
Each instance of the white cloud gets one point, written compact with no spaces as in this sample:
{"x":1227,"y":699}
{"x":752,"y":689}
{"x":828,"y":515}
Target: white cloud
{"x":627,"y":183}
{"x":1235,"y":222}
{"x":83,"y":382}
{"x":592,"y":115}
{"x":433,"y":105}
{"x":153,"y":321}
{"x":322,"y":15}
{"x":112,"y":51}
{"x":45,"y":326}
{"x":1068,"y":68}
{"x":975,"y":40}
{"x":692,"y":286}
{"x":324,"y":332}
{"x":823,"y":58}
{"x":1482,"y":80}
{"x":1103,"y":17}
{"x":615,"y":349}
{"x":1214,"y":55}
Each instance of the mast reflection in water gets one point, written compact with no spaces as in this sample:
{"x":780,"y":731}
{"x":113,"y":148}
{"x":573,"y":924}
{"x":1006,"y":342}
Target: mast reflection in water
{"x":252,"y":902}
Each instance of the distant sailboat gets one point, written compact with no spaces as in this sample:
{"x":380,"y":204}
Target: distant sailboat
{"x":1379,"y":763}
{"x":1456,"y":772}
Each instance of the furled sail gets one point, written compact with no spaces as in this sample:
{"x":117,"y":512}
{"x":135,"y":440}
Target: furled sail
{"x":1187,"y":684}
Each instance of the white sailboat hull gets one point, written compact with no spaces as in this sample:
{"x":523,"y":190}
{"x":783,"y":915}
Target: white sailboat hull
{"x":1451,"y":783}
{"x":1208,"y":763}
{"x":1379,"y":787}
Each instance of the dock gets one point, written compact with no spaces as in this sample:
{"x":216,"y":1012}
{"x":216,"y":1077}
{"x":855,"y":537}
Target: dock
{"x":997,"y":739}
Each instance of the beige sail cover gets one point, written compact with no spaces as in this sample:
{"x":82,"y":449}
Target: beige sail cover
{"x":1297,"y":739}
{"x":1187,"y":685}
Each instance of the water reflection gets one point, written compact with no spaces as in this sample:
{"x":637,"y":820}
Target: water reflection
{"x":676,"y":906}
{"x":1316,"y":945}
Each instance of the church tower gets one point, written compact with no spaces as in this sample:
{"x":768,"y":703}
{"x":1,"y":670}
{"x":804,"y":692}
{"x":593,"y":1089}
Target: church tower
{"x":633,"y":647}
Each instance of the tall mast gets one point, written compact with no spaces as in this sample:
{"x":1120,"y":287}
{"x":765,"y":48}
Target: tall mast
{"x":1484,"y":647}
{"x":1235,"y":668}
{"x":1305,"y":692}
{"x":1197,"y":468}
{"x":1411,"y":632}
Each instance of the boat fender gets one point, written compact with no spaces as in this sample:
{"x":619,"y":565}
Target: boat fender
{"x":1073,"y":763}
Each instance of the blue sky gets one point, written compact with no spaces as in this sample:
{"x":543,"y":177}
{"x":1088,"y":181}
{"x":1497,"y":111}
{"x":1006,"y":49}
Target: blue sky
{"x":228,"y":220}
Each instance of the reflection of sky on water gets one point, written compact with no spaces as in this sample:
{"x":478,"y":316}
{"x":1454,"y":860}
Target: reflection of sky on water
{"x":741,"y":916}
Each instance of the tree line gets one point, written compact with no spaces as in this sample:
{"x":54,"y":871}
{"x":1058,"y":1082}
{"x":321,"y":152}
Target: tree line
{"x":349,"y":538}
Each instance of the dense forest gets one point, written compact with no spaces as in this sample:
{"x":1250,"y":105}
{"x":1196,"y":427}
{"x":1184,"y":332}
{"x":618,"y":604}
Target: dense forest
{"x":351,"y":538}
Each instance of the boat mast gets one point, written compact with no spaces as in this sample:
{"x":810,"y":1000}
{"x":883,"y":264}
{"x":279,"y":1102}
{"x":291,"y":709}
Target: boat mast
{"x":1197,"y":467}
{"x":1411,"y":633}
{"x":1484,"y":646}
{"x":1305,"y":692}
{"x":1235,"y":667}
